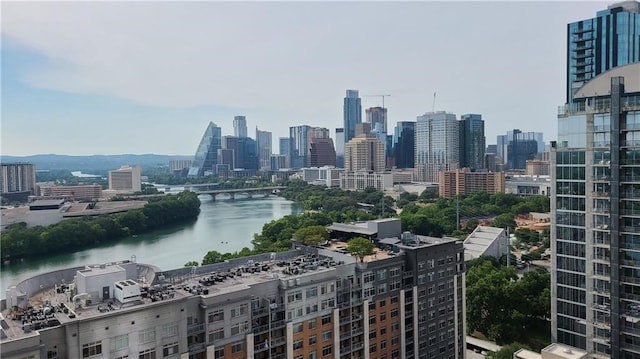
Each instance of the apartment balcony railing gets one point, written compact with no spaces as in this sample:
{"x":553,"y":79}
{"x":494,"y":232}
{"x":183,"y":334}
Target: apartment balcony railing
{"x":195,"y":328}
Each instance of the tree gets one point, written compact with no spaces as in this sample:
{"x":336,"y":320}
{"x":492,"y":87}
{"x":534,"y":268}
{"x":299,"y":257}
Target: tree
{"x":212,"y":257}
{"x":504,"y":220}
{"x":360,"y":247}
{"x":507,"y":351}
{"x":191,"y":264}
{"x":312,"y":235}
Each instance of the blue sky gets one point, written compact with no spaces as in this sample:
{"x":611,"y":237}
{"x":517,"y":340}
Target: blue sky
{"x":86,"y":78}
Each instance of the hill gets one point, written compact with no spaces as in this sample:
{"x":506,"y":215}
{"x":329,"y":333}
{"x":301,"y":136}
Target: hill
{"x":93,"y":163}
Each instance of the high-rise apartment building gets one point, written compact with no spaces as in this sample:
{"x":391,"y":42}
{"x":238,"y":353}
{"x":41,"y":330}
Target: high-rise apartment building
{"x":404,"y":144}
{"x":126,"y":178}
{"x":437,"y":145}
{"x":377,"y":117}
{"x":240,"y":126}
{"x":18,"y":177}
{"x":364,"y":154}
{"x":405,"y":301}
{"x":464,"y":182}
{"x":472,"y":141}
{"x":601,"y":43}
{"x":179,"y":165}
{"x":263,"y":141}
{"x":340,"y":147}
{"x":595,"y":222}
{"x":300,"y":143}
{"x":352,"y":113}
{"x":206,"y":157}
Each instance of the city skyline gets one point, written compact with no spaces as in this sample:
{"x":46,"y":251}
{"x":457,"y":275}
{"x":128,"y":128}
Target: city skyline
{"x":75,"y":69}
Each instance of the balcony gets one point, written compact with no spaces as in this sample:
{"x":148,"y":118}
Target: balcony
{"x":197,"y":348}
{"x":196,"y":328}
{"x":601,"y":144}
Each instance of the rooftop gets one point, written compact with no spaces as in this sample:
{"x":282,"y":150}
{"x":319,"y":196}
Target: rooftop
{"x":564,"y":351}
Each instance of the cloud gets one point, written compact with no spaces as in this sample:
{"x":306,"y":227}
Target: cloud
{"x":291,"y":62}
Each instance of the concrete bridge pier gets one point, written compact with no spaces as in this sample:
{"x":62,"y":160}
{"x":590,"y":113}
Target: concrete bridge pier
{"x":213,"y":196}
{"x":232,"y":195}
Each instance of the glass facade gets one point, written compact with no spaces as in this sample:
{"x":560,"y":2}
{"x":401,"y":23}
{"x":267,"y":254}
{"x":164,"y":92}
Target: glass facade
{"x":472,"y":141}
{"x":404,"y":144}
{"x":206,"y":157}
{"x":596,"y":226}
{"x":596,"y":45}
{"x":352,"y":114}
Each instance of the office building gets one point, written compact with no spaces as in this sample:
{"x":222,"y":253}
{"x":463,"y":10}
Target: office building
{"x":284,"y":146}
{"x":537,"y":168}
{"x":472,"y":141}
{"x":239,"y":126}
{"x":321,"y":152}
{"x":517,"y":147}
{"x":206,"y":157}
{"x":377,"y":118}
{"x":601,"y":43}
{"x":300,"y":143}
{"x":361,"y":180}
{"x":404,"y":142}
{"x":263,"y":142}
{"x":526,"y":185}
{"x":595,"y":226}
{"x":352,"y":114}
{"x":245,"y":152}
{"x":363,"y":129}
{"x":405,"y":301}
{"x":464,"y":181}
{"x":18,"y":178}
{"x":278,"y":162}
{"x":126,"y":178}
{"x":340,"y":147}
{"x":364,"y":154}
{"x":322,"y":176}
{"x":179,"y":165}
{"x":85,"y":192}
{"x":437,"y":145}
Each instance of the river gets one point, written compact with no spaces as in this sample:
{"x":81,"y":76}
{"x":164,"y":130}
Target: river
{"x":223,"y":225}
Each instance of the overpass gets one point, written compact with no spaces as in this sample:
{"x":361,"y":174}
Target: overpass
{"x":249,"y":192}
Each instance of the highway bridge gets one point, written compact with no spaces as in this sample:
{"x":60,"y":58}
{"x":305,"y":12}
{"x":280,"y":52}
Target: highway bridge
{"x":232,"y":192}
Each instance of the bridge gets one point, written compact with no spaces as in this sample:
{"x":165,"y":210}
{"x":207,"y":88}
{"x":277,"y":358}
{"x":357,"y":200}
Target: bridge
{"x":249,"y":192}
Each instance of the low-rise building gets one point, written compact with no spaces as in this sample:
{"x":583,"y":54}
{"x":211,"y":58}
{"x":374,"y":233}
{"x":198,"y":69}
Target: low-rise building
{"x":78,"y":192}
{"x":356,"y":181}
{"x":463,"y":181}
{"x":524,"y":185}
{"x":486,"y":241}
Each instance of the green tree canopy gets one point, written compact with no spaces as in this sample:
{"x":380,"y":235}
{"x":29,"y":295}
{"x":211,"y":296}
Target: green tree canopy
{"x":311,"y":235}
{"x":360,"y":247}
{"x":507,"y":351}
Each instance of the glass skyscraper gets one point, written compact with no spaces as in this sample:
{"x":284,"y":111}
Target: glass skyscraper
{"x":264,"y":142}
{"x":404,"y":143}
{"x":437,"y":145}
{"x":595,"y":225}
{"x":240,"y":126}
{"x":206,"y":157}
{"x":472,"y":141}
{"x":352,"y":114}
{"x":596,"y":45}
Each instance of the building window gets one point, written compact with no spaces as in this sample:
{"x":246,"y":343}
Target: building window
{"x":237,"y":347}
{"x":312,"y":340}
{"x":297,"y":344}
{"x":242,"y":309}
{"x":326,"y":319}
{"x":91,"y":349}
{"x":216,"y":334}
{"x":313,"y":355}
{"x":382,"y":288}
{"x":394,"y":313}
{"x":219,"y":353}
{"x":294,"y":296}
{"x":326,"y":335}
{"x":239,"y":328}
{"x":297,"y":328}
{"x":383,"y":330}
{"x":394,"y":272}
{"x":395,"y":340}
{"x":372,"y":319}
{"x":147,"y":354}
{"x":216,"y":316}
{"x":312,"y":324}
{"x":383,"y":344}
{"x":147,"y":336}
{"x":369,"y":277}
{"x":170,"y":330}
{"x":326,"y":351}
{"x":382,"y":274}
{"x":170,"y":349}
{"x":312,"y":292}
{"x":119,"y":342}
{"x":372,"y":334}
{"x":383,"y":317}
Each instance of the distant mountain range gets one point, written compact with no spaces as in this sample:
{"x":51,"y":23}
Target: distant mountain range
{"x":94,"y":162}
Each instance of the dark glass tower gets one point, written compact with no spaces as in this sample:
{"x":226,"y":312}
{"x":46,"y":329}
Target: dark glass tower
{"x":404,"y":143}
{"x":352,"y":114}
{"x":206,"y":157}
{"x":610,"y":39}
{"x":472,"y":141}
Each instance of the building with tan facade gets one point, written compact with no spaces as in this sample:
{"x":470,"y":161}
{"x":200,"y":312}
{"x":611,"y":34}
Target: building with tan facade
{"x":364,"y":153}
{"x":79,"y":192}
{"x":463,"y":181}
{"x":126,"y":178}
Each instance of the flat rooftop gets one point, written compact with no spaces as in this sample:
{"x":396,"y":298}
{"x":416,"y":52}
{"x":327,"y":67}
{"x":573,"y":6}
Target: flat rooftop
{"x":564,"y":351}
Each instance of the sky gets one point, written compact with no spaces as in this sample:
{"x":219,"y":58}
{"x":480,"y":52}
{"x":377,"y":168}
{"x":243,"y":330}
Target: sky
{"x":83,"y":78}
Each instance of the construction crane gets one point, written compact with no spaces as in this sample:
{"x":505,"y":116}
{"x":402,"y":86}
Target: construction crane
{"x":383,"y":96}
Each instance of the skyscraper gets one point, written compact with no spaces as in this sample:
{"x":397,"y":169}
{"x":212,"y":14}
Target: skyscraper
{"x":263,"y":141}
{"x":472,"y":141}
{"x":437,"y":145}
{"x":517,"y":147}
{"x":595,"y":222}
{"x":18,"y":177}
{"x":340,"y":147}
{"x":352,"y":114}
{"x":404,"y":143}
{"x":245,"y":152}
{"x":240,"y":126}
{"x":206,"y":157}
{"x":377,"y":117}
{"x":321,"y":152}
{"x":601,"y":43}
{"x":299,"y":143}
